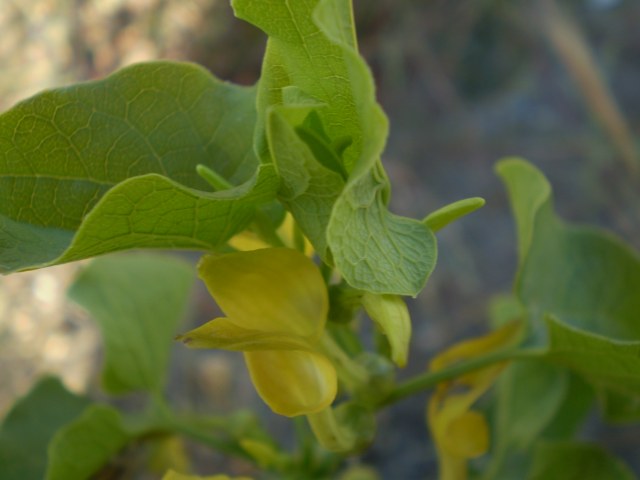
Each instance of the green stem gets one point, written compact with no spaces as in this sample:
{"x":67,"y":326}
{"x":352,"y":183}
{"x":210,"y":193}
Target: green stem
{"x":159,"y":418}
{"x":330,"y":433}
{"x":326,"y":271}
{"x":431,"y":379}
{"x":351,"y":374}
{"x":298,"y":238}
{"x":217,"y":181}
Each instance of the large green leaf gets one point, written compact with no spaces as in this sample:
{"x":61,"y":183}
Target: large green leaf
{"x":137,"y":301}
{"x":312,"y":61}
{"x":576,"y":461}
{"x":110,"y":164}
{"x":584,"y":276}
{"x":587,"y":280}
{"x":30,"y":425}
{"x":81,"y":448}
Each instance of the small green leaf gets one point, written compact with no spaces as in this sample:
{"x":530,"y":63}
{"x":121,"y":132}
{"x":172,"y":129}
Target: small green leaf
{"x":83,"y":446}
{"x":528,"y":191}
{"x":30,"y":425}
{"x":576,"y":461}
{"x":391,"y":315}
{"x":375,"y":250}
{"x":308,"y":188}
{"x":111,"y":164}
{"x":137,"y":301}
{"x":312,"y":133}
{"x":311,"y":47}
{"x":449,"y":213}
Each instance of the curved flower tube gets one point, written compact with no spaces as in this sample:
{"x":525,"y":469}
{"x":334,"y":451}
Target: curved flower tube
{"x":276,"y":305}
{"x":460,"y":433}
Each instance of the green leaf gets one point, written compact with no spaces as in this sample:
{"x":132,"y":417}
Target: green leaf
{"x":30,"y":425}
{"x":152,"y":211}
{"x":583,"y":276}
{"x":311,"y":59}
{"x":612,"y":367}
{"x":576,"y":461}
{"x":576,"y":405}
{"x":312,"y":47}
{"x":528,"y":191}
{"x":121,"y":154}
{"x":82,"y":447}
{"x":312,"y":133}
{"x":375,"y":250}
{"x":308,"y":189}
{"x":391,"y":315}
{"x":529,"y":395}
{"x":449,"y":213}
{"x":584,"y":279}
{"x":137,"y":301}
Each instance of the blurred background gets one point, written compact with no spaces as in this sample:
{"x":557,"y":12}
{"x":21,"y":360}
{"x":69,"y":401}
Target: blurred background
{"x":464,"y":82}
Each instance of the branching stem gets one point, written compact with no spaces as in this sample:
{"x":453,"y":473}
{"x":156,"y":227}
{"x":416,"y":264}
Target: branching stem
{"x":429,"y":380}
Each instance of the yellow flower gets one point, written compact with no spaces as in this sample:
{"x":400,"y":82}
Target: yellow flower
{"x":276,"y":305}
{"x":287,"y":232}
{"x":460,"y":434}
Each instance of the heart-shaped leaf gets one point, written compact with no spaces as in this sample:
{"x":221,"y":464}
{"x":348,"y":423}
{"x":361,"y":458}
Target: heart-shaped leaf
{"x":111,"y":164}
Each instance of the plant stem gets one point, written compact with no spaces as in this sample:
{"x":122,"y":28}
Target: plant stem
{"x":431,"y":379}
{"x":217,"y":181}
{"x":350,"y":373}
{"x":331,"y":433}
